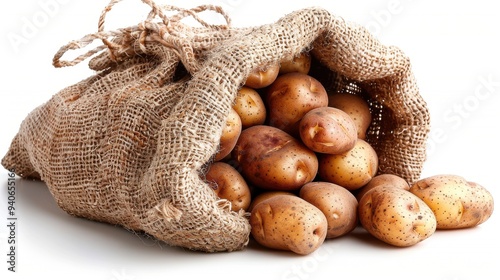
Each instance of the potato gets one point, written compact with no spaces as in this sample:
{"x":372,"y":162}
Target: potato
{"x":396,"y":216}
{"x":287,"y":222}
{"x":290,"y":97}
{"x":328,"y":130}
{"x":300,"y":63}
{"x":228,"y":183}
{"x":265,"y":195}
{"x":352,"y":169}
{"x":456,"y":202}
{"x":383,"y":180}
{"x":250,"y":107}
{"x":271,"y":159}
{"x":263,"y":76}
{"x":356,"y":107}
{"x":230,"y":134}
{"x":337,"y":203}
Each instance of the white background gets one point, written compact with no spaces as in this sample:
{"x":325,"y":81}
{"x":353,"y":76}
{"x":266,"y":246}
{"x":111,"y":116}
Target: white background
{"x":454,"y":52}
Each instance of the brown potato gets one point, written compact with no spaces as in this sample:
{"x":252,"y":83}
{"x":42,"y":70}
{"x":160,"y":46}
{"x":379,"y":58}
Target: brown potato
{"x":328,"y":130}
{"x":230,"y":134}
{"x":300,"y":63}
{"x":396,"y":216}
{"x":337,"y":203}
{"x":383,"y":180}
{"x":271,"y":159}
{"x":456,"y":202}
{"x":356,"y":107}
{"x":265,"y":195}
{"x":352,"y":169}
{"x":263,"y":76}
{"x":287,"y":222}
{"x":228,"y":183}
{"x":250,"y":107}
{"x":290,"y":97}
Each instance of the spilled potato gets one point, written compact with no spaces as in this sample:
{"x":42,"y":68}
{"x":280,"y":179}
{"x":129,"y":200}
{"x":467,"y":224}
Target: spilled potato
{"x":396,"y":216}
{"x":287,"y":222}
{"x":456,"y":202}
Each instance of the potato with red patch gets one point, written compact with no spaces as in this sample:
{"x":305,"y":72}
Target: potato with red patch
{"x":290,"y":97}
{"x":456,"y":202}
{"x":396,"y":216}
{"x":328,"y":130}
{"x":228,"y":183}
{"x":337,"y":203}
{"x":271,"y":159}
{"x":287,"y":222}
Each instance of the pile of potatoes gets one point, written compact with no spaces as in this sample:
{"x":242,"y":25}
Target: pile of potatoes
{"x":294,"y":156}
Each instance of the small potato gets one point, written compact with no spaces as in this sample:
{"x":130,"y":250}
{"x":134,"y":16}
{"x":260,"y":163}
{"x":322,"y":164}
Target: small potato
{"x":230,"y":134}
{"x":263,"y":76}
{"x":337,"y":203}
{"x":250,"y":107}
{"x":228,"y":183}
{"x":287,"y":222}
{"x":356,"y":107}
{"x":271,"y":159}
{"x":265,"y":195}
{"x":300,"y":63}
{"x":290,"y":97}
{"x":396,"y":216}
{"x":456,"y":202}
{"x":383,"y":180}
{"x":352,"y":169}
{"x":328,"y":130}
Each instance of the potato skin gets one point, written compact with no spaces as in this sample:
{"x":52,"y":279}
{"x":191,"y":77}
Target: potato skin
{"x":383,"y":180}
{"x":230,"y":134}
{"x":337,"y":203}
{"x":300,"y":63}
{"x":228,"y":183}
{"x":286,"y":222}
{"x":328,"y":130}
{"x":265,"y":195}
{"x":352,"y":169}
{"x":356,"y":107}
{"x":456,"y":203}
{"x":250,"y":107}
{"x":290,"y":97}
{"x":396,"y":216}
{"x":263,"y":76}
{"x":271,"y":159}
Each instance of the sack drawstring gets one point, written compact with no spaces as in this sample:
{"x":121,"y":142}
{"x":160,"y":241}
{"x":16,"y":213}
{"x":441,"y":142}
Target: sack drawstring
{"x":169,"y":32}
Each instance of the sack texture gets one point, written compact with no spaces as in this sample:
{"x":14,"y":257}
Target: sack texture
{"x":127,"y":145}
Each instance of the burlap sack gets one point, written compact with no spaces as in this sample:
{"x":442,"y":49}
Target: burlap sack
{"x":127,"y":145}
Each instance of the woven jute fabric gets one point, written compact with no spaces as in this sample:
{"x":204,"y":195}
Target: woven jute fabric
{"x":128,"y":145}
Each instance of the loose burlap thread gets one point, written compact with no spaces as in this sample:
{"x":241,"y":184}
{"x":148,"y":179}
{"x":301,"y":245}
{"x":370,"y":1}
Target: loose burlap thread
{"x":128,"y":145}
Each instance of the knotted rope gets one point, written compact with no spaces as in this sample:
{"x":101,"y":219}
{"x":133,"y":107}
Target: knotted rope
{"x":167,"y":32}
